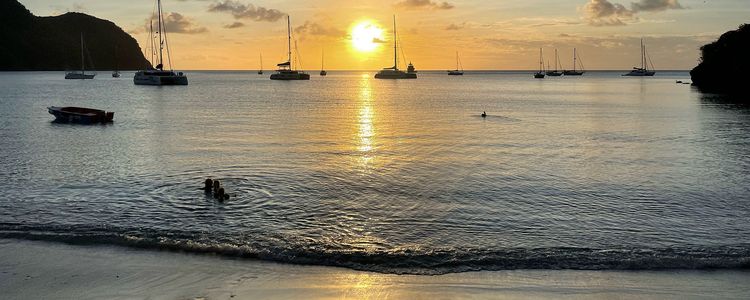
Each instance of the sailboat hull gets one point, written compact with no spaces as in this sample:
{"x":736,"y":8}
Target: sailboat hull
{"x":572,"y":73}
{"x":455,"y":73}
{"x":554,"y":74}
{"x":159,"y":78}
{"x":290,"y":76}
{"x":79,"y":76}
{"x":395,"y":74}
{"x":640,"y":73}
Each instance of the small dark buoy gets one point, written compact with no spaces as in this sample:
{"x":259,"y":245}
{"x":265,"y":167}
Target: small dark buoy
{"x":484,"y":114}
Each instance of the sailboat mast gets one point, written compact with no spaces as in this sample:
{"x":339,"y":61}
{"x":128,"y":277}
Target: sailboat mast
{"x":289,"y":37}
{"x":83,"y":68}
{"x":456,"y":60}
{"x":261,"y":61}
{"x":161,"y":42}
{"x":574,"y":59}
{"x":395,"y":53}
{"x":643,"y":64}
{"x":555,"y":59}
{"x":541,"y":61}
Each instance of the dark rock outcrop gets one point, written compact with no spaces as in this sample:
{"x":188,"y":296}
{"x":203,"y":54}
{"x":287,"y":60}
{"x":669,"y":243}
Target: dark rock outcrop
{"x":724,"y":62}
{"x":28,"y":42}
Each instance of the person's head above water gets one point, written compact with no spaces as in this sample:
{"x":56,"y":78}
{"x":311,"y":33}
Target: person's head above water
{"x":217,"y":185}
{"x":209,"y":184}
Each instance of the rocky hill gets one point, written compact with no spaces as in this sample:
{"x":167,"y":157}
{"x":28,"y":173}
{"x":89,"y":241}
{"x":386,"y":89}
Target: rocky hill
{"x":28,"y":42}
{"x":724,"y":62}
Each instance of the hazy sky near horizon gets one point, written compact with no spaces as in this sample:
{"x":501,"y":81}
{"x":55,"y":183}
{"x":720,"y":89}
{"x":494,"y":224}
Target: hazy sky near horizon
{"x":499,"y":34}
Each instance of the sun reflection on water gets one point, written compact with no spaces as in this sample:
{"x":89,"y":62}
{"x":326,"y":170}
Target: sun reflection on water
{"x":366,"y":132}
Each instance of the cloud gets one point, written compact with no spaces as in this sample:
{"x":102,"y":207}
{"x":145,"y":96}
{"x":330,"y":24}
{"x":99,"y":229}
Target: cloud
{"x":605,"y":13}
{"x":378,"y":41}
{"x":655,"y":5}
{"x":313,"y":28}
{"x":246,"y":11}
{"x":234,"y":25}
{"x":422,"y":4}
{"x":454,"y":26}
{"x":177,"y":23}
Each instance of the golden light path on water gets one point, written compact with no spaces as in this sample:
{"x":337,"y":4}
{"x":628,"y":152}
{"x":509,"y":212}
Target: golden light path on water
{"x":366,"y":133}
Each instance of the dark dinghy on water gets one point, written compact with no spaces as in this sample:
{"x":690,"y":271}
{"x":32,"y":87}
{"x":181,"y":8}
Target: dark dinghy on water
{"x":80,"y":115}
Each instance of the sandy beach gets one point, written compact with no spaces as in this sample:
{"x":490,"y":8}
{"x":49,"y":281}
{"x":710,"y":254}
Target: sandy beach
{"x":41,"y":270}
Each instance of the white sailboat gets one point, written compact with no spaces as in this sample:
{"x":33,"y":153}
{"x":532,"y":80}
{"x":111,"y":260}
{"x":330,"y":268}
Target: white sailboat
{"x":285,"y":71}
{"x":394,"y":72}
{"x":82,"y":73}
{"x":540,"y":74}
{"x":643,"y":70}
{"x":576,"y":61}
{"x":157,"y":75}
{"x":457,"y":72}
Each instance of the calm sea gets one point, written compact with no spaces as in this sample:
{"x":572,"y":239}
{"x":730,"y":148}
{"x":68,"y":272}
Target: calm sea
{"x":594,"y":172}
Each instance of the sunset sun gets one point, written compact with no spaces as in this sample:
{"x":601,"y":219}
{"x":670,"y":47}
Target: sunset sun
{"x":366,"y":36}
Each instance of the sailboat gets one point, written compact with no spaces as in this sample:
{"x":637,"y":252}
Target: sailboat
{"x":394,"y":72}
{"x":260,"y":71}
{"x":116,"y":72}
{"x":458,"y":63}
{"x":82,"y":73}
{"x":322,"y":71}
{"x":643,"y":70}
{"x":555,"y":73}
{"x":575,"y":62}
{"x":285,"y":71}
{"x":157,"y":75}
{"x":540,"y":74}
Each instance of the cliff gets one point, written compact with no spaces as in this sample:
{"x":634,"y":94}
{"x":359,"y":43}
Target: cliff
{"x":724,"y":62}
{"x":28,"y":42}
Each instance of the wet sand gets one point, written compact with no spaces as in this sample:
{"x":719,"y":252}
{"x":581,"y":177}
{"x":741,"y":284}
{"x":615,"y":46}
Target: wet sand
{"x":41,"y":270}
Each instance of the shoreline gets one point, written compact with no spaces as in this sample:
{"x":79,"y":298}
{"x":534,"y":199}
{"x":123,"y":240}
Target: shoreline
{"x":39,"y":270}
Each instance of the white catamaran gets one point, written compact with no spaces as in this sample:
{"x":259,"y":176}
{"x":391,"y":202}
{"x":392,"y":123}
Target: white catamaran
{"x":645,"y":61}
{"x":82,"y":73}
{"x":157,"y":75}
{"x":285,"y":71}
{"x":394,"y":72}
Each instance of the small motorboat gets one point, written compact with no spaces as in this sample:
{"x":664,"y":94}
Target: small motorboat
{"x":80,"y":115}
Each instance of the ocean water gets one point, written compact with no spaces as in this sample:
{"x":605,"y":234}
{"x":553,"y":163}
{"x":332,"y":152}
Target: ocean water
{"x":594,"y":172}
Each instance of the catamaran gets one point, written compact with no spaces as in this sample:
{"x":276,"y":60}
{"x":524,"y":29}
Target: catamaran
{"x":575,"y":62}
{"x":157,"y":75}
{"x":458,"y":64}
{"x":285,"y":71}
{"x":394,"y":72}
{"x":555,"y":73}
{"x":82,"y":73}
{"x":643,"y":70}
{"x":540,"y":74}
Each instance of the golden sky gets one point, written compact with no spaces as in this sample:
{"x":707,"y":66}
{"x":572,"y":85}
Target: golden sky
{"x":498,"y":34}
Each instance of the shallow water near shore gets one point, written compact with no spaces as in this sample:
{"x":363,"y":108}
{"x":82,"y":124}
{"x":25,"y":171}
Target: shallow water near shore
{"x":596,"y":172}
